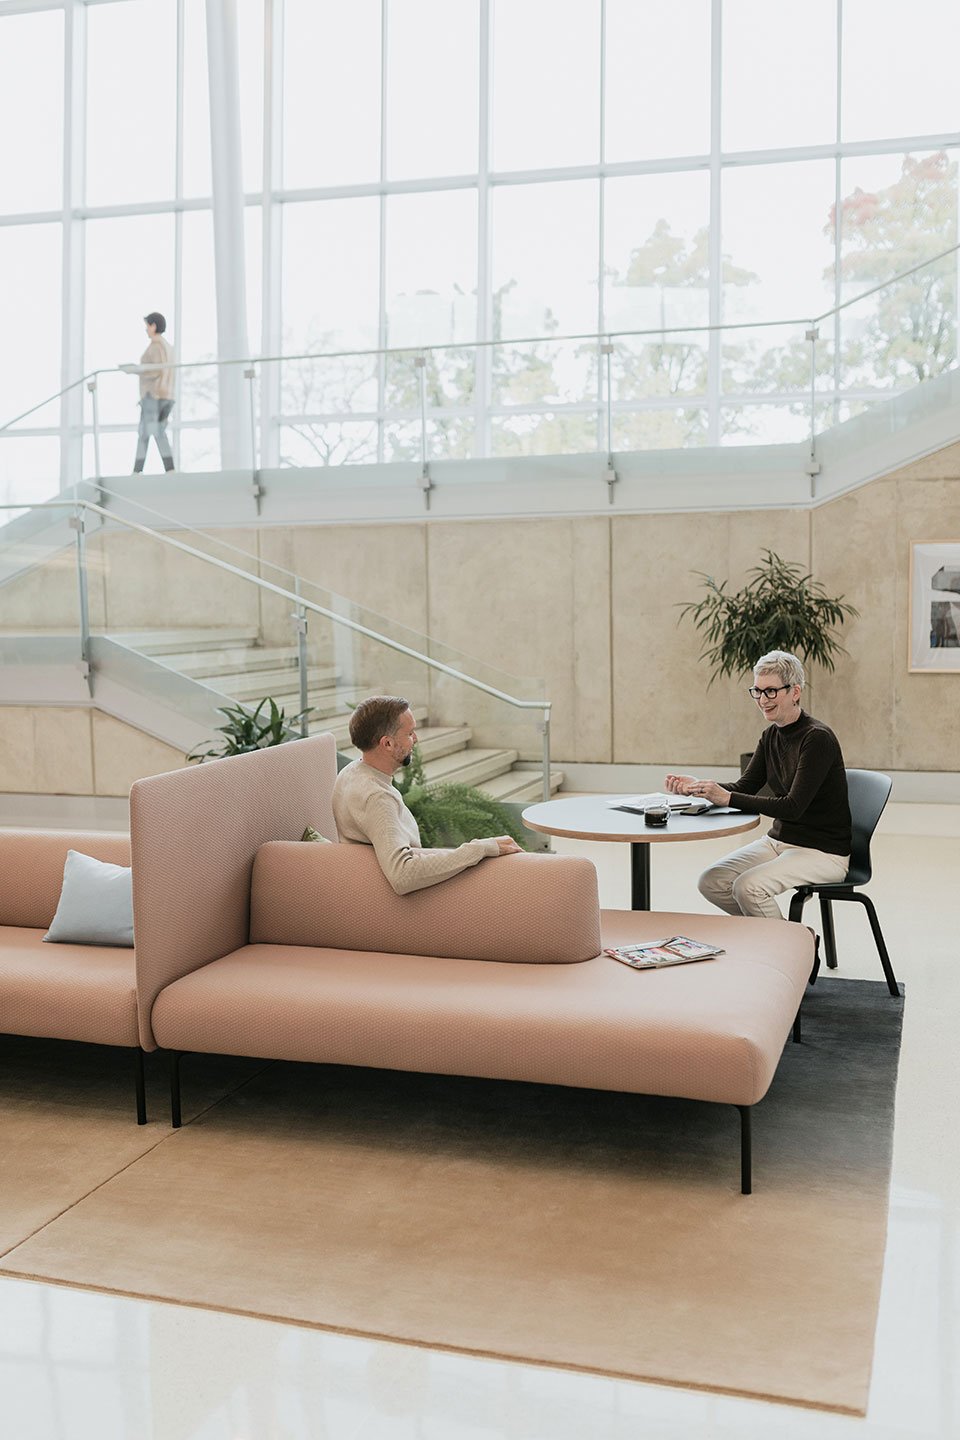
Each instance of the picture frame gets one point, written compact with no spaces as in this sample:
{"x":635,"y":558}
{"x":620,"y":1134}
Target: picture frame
{"x":934,"y":627}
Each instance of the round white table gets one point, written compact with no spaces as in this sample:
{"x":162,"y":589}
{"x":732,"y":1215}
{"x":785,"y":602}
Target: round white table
{"x":592,"y":817}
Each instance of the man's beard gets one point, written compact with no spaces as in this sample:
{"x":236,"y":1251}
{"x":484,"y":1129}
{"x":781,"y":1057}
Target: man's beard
{"x":407,"y":758}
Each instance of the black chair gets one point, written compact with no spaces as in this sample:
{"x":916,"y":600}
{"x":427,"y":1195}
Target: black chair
{"x":869,"y":792}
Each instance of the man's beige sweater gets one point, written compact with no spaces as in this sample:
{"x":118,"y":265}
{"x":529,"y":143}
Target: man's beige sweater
{"x":157,"y":382}
{"x":369,"y":810}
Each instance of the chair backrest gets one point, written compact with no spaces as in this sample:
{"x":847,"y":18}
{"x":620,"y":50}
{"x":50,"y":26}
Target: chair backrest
{"x":869,"y":792}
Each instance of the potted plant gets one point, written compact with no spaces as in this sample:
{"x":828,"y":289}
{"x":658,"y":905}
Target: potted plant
{"x":248,"y":730}
{"x":448,"y":814}
{"x":781,"y":607}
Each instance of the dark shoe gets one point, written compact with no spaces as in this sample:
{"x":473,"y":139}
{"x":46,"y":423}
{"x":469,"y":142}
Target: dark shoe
{"x":816,"y":956}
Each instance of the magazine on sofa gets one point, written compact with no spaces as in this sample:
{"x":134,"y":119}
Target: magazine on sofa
{"x":676,"y":950}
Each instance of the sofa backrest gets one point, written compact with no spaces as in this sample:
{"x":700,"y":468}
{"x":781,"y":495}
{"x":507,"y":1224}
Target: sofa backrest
{"x":31,"y":869}
{"x":532,"y":908}
{"x":194,"y":834}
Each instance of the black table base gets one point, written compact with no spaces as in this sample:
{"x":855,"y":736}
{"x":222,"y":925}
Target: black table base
{"x":640,"y":876}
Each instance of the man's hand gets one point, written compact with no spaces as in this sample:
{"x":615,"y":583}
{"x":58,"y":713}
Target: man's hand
{"x":681,"y":784}
{"x":711,"y":791}
{"x":508,"y":846}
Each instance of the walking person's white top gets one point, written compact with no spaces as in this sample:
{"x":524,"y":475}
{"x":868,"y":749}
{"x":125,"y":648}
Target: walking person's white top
{"x":157,"y":382}
{"x":369,"y":810}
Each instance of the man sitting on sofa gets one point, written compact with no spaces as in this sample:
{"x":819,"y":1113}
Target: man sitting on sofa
{"x":799,"y":760}
{"x":369,"y":810}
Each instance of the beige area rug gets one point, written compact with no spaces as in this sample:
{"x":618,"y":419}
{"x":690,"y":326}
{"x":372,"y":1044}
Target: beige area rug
{"x":573,"y":1228}
{"x":68,"y":1122}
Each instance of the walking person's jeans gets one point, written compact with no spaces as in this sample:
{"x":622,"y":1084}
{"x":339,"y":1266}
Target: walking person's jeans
{"x":153,"y":421}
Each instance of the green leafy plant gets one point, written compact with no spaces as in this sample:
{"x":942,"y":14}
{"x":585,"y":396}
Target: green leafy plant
{"x":449,"y":814}
{"x":248,"y":730}
{"x":779,"y":608}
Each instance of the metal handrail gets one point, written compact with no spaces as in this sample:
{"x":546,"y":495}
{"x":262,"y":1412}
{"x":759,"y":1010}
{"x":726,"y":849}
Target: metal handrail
{"x":598,"y":336}
{"x":300,"y":603}
{"x":885,"y":284}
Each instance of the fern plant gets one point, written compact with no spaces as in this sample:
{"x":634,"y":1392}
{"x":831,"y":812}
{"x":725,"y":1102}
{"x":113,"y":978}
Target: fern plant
{"x":447,"y":814}
{"x":248,"y":730}
{"x":779,"y":608}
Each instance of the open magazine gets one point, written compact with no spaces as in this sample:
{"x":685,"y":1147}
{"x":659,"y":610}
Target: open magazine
{"x":676,"y":950}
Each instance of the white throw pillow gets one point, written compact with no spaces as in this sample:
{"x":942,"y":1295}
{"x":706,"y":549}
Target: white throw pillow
{"x":96,"y":903}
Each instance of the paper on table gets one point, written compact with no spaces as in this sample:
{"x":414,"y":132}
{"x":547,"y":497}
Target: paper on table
{"x":675,"y":802}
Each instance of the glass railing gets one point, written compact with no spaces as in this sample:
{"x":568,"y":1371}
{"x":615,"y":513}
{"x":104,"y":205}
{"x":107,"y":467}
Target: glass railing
{"x":216,"y":624}
{"x":660,"y":387}
{"x":39,"y":587}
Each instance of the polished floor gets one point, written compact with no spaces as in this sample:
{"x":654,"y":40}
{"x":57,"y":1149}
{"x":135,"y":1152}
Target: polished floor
{"x":81,"y":1366}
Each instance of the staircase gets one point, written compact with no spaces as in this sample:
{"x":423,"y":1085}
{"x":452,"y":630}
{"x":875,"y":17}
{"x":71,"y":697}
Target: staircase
{"x":233,"y":663}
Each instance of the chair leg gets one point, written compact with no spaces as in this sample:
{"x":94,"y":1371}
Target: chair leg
{"x":889,"y":976}
{"x":746,"y":1152}
{"x":795,"y":914}
{"x":829,"y":937}
{"x":140,"y":1085}
{"x":175,"y":1117}
{"x":797,"y":902}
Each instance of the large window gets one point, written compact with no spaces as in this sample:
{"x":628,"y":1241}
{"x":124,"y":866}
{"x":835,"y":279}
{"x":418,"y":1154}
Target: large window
{"x":532,"y":215}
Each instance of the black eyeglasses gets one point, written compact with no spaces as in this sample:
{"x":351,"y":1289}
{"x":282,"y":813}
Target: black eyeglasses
{"x":770,"y":693}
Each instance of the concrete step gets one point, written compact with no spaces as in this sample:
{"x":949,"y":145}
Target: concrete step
{"x":521,"y":786}
{"x":201,"y":663}
{"x":469,"y":767}
{"x":434,"y":741}
{"x":173,"y":642}
{"x":338,"y":723}
{"x":283,"y":685}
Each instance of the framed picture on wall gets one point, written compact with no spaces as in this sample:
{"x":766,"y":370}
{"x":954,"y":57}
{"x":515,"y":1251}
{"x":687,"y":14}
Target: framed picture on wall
{"x":935,"y":606}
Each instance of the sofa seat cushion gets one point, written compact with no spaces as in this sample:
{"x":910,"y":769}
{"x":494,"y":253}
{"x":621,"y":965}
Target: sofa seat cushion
{"x":66,"y":992}
{"x":709,"y":1031}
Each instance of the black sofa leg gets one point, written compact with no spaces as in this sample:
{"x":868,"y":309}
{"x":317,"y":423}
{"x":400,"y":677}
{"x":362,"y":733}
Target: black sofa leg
{"x":889,"y":976}
{"x":175,"y":1116}
{"x":141,"y":1086}
{"x":746,"y":1152}
{"x":796,"y":1027}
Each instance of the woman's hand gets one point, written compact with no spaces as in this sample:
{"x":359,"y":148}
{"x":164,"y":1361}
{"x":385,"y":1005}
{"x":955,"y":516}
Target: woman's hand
{"x":711,"y":791}
{"x":681,"y":784}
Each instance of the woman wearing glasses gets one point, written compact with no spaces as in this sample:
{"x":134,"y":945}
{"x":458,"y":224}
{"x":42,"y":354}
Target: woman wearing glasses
{"x":799,"y":760}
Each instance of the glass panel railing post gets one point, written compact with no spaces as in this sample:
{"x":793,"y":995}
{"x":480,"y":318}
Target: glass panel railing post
{"x":77,"y":525}
{"x":299,"y":618}
{"x":425,"y":483}
{"x":813,"y":467}
{"x":545,"y":731}
{"x":605,"y":361}
{"x":95,"y":404}
{"x":250,"y":375}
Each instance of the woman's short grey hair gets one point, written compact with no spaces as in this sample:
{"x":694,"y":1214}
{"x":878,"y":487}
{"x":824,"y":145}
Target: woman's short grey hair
{"x":783,"y":664}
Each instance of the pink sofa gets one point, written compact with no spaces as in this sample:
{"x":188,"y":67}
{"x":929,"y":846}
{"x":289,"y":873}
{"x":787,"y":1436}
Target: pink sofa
{"x":252,"y":943}
{"x":62,"y":992}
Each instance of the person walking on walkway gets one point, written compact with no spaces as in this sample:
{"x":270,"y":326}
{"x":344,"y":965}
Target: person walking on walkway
{"x":156,"y":392}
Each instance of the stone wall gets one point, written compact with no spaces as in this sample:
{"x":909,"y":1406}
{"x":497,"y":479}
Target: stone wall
{"x":588,"y":603}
